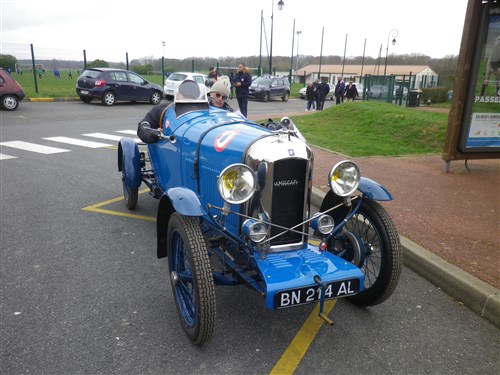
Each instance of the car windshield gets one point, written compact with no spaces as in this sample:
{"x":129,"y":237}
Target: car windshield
{"x":262,"y":81}
{"x":177,"y":77}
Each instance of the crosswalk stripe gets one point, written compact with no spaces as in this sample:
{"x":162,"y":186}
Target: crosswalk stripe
{"x":133,"y":132}
{"x":78,"y":142}
{"x":33,"y":147}
{"x":5,"y":157}
{"x":108,"y":136}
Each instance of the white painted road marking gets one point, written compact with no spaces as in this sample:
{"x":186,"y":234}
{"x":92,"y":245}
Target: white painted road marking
{"x":108,"y":136}
{"x":33,"y":147}
{"x":78,"y":142}
{"x":5,"y":157}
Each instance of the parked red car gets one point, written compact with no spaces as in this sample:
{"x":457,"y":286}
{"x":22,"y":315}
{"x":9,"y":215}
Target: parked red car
{"x":11,"y":92}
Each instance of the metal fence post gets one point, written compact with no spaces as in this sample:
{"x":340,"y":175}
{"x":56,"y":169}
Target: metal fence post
{"x":34,"y":67}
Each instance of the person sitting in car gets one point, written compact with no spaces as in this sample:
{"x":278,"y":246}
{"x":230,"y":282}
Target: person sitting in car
{"x":219,"y":92}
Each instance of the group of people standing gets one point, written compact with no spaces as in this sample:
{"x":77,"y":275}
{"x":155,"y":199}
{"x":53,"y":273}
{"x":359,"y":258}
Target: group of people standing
{"x":317,"y":91}
{"x":239,"y":83}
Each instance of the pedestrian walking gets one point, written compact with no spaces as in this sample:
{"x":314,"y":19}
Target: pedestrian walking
{"x":310,"y":97}
{"x":242,"y":81}
{"x":323,"y":90}
{"x":351,"y":92}
{"x":339,"y":90}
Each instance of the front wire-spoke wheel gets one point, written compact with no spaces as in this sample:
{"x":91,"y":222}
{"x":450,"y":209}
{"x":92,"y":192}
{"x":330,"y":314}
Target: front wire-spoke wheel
{"x":191,"y":278}
{"x":382,"y":258}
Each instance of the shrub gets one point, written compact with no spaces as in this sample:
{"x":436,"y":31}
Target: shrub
{"x":438,"y":94}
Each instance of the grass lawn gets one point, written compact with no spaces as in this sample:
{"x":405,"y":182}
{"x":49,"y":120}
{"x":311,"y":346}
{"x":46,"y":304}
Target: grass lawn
{"x":364,"y":128}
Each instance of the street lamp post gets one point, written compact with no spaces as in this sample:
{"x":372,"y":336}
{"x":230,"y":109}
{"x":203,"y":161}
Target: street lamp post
{"x":163,"y":63}
{"x":280,"y":7}
{"x":291,"y":57}
{"x":297,"y":60}
{"x":394,"y":33}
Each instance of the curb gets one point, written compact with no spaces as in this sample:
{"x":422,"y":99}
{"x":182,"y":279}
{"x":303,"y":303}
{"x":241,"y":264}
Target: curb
{"x":51,"y":99}
{"x":480,"y":297}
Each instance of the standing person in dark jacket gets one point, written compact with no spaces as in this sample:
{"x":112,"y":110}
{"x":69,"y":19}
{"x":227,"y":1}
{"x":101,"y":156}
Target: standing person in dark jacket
{"x":323,"y":90}
{"x":310,"y":96}
{"x":339,"y":90}
{"x":242,"y":81}
{"x":351,"y":92}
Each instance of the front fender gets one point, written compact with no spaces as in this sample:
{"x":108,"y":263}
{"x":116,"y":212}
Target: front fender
{"x":181,"y":200}
{"x":374,"y":190}
{"x":129,"y":162}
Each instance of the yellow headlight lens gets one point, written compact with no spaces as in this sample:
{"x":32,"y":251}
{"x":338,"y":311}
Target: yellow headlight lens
{"x":237,"y":183}
{"x":344,"y":178}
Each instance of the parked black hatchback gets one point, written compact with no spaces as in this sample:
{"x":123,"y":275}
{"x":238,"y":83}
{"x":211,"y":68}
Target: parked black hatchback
{"x":110,"y":85}
{"x":267,"y":87}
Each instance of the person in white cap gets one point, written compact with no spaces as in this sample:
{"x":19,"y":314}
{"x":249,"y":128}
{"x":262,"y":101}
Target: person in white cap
{"x":219,"y":92}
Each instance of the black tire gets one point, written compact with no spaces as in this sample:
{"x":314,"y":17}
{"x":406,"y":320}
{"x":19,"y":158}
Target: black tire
{"x":130,"y":196}
{"x":266,"y":97}
{"x":155,"y":98}
{"x":109,"y":98}
{"x":10,"y":102}
{"x":285,"y":97}
{"x":86,"y":100}
{"x":383,"y":257}
{"x":191,"y":278}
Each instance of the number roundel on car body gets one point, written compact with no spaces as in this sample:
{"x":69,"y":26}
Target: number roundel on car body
{"x":224,"y":139}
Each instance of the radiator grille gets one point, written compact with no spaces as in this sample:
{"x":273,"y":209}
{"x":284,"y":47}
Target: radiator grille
{"x":289,"y":184}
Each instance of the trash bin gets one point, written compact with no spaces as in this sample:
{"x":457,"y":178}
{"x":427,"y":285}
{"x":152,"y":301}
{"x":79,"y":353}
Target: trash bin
{"x":414,"y":98}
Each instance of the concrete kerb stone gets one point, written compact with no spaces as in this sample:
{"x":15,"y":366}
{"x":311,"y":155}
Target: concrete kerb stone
{"x":477,"y":295}
{"x":51,"y":99}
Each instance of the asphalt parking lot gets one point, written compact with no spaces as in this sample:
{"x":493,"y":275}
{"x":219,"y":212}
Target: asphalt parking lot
{"x":82,"y":291}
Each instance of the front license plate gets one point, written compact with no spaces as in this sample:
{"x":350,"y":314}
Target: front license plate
{"x":83,"y":92}
{"x":300,"y":296}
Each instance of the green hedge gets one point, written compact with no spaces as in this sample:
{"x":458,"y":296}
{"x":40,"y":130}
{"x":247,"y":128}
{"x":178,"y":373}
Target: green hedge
{"x":438,"y":94}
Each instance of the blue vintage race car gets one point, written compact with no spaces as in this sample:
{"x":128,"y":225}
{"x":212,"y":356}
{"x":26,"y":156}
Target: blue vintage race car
{"x":235,"y":208}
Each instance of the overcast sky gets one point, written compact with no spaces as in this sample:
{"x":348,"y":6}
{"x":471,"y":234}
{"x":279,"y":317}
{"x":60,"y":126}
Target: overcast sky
{"x":107,"y":29}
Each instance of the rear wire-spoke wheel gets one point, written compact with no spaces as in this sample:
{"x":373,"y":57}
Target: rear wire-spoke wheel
{"x":191,"y":278}
{"x":130,"y":196}
{"x":383,"y":259}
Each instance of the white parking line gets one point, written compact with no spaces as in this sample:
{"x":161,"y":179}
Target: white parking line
{"x":78,"y":142}
{"x":33,"y":147}
{"x":5,"y":157}
{"x":132,"y":132}
{"x":108,"y":136}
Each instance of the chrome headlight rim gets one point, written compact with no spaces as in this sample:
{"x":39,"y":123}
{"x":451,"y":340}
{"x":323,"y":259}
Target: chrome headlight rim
{"x":242,"y":176}
{"x":344,"y":178}
{"x":255,"y":230}
{"x":323,"y":223}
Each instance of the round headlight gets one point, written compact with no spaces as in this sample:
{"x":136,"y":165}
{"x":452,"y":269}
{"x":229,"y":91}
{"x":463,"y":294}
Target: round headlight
{"x":255,"y":230}
{"x":322,"y":223}
{"x":344,"y":178}
{"x":236,"y":183}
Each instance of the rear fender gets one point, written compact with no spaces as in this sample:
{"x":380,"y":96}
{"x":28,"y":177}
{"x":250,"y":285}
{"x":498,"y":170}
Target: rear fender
{"x":181,"y":200}
{"x":129,"y":162}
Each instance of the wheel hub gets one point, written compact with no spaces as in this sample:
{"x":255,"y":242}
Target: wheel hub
{"x":174,"y":277}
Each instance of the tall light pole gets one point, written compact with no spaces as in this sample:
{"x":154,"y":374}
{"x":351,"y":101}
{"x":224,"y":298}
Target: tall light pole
{"x":297,"y":60}
{"x":163,"y":63}
{"x":291,"y":58}
{"x":280,"y":7}
{"x":394,"y":33}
